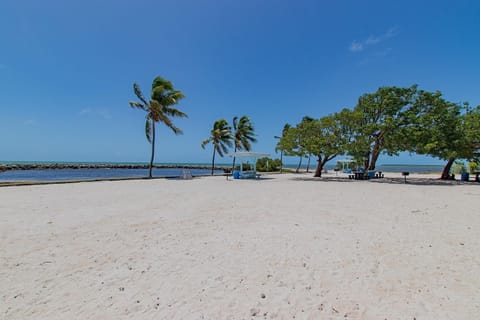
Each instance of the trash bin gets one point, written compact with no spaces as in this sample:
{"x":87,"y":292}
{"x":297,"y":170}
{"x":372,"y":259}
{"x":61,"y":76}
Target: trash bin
{"x":465,"y":176}
{"x":236,"y":174}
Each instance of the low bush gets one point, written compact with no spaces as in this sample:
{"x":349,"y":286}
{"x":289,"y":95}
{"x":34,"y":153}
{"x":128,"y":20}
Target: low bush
{"x":268,"y":165}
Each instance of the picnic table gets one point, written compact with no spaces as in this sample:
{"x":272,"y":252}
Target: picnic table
{"x":477,"y":175}
{"x":356,"y":175}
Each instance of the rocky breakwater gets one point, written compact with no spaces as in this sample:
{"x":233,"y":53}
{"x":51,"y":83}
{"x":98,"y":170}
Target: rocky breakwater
{"x":60,"y":166}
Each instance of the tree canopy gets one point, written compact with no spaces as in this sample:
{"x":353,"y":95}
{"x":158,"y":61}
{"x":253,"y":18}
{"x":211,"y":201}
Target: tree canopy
{"x":389,"y":121}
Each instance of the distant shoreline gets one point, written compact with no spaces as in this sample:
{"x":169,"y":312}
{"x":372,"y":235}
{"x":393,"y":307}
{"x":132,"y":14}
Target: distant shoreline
{"x":60,"y":166}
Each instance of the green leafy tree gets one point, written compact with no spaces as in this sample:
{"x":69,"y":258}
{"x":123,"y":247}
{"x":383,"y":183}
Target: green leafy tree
{"x":472,"y":134}
{"x":290,"y":144}
{"x":159,"y":108}
{"x":221,"y":138}
{"x":445,"y":130}
{"x":437,"y":129}
{"x":243,"y":135}
{"x":379,"y":120}
{"x":327,"y":137}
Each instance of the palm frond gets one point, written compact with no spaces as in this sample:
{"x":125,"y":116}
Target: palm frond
{"x":138,"y":105}
{"x":168,"y":122}
{"x":205,"y":142}
{"x":243,"y":133}
{"x":139,"y":94}
{"x":174,"y":112}
{"x":163,"y":83}
{"x":224,"y":149}
{"x":235,"y":123}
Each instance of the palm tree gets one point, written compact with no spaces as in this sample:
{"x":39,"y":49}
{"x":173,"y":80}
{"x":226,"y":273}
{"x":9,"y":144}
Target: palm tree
{"x":243,"y":134}
{"x":159,"y":109}
{"x":221,"y":138}
{"x":279,"y":146}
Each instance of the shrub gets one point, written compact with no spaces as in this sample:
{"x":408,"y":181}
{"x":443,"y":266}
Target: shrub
{"x":268,"y":165}
{"x":458,"y":167}
{"x":472,"y":166}
{"x":245,"y":166}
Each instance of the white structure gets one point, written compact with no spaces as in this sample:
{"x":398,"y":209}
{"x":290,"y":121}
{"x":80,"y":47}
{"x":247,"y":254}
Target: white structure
{"x":248,"y":174}
{"x":345,"y":163}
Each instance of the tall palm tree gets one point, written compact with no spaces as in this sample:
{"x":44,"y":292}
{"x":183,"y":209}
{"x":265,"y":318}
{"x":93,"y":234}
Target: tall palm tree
{"x":243,"y":135}
{"x":159,"y":109}
{"x":279,"y":145}
{"x":220,"y":137}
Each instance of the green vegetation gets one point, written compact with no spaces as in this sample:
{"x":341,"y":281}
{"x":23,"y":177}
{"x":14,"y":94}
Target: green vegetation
{"x":472,"y":167}
{"x":220,"y":137}
{"x":378,"y":119}
{"x":243,"y":134}
{"x":159,"y":109}
{"x":223,"y":137}
{"x":389,"y":121}
{"x":268,"y":165}
{"x":459,"y":167}
{"x":279,"y":146}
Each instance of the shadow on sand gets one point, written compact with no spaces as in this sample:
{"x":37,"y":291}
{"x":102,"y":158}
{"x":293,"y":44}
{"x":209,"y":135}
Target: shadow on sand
{"x":410,"y":181}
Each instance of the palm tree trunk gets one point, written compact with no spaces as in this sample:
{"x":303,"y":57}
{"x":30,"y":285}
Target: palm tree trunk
{"x":213,"y":159}
{"x":153,"y":150}
{"x":308,"y":164}
{"x":233,"y":164}
{"x":281,"y":161}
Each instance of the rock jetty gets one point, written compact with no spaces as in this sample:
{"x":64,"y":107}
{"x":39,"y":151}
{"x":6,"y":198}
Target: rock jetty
{"x":59,"y":166}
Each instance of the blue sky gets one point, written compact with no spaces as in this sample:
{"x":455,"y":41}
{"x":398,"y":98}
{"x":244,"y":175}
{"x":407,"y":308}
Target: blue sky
{"x":67,"y":68}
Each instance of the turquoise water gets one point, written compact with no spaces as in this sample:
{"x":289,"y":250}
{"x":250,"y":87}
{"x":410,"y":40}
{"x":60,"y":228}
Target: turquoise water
{"x":388,"y":168}
{"x":89,"y":174}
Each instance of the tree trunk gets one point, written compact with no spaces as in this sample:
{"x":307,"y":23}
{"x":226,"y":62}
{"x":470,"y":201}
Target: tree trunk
{"x":318,"y":171}
{"x":153,"y":150}
{"x":299,"y":165}
{"x":373,"y":161}
{"x":446,"y":169}
{"x":320,"y":165}
{"x":213,"y":159}
{"x":281,"y":161}
{"x":233,"y":164}
{"x":308,"y":164}
{"x":366,"y":162}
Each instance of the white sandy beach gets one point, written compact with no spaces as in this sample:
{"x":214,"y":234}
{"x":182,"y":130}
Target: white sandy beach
{"x":283,"y":247}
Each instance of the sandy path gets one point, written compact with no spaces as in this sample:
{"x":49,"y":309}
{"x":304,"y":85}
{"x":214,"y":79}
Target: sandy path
{"x":214,"y":249}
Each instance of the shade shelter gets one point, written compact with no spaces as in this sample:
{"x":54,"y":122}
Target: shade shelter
{"x":245,"y":157}
{"x":345,"y":163}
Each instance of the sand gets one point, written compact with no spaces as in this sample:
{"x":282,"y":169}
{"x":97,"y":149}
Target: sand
{"x":284,"y":247}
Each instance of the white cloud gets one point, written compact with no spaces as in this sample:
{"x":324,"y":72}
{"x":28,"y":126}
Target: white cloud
{"x":97,"y":112}
{"x":357,"y":46}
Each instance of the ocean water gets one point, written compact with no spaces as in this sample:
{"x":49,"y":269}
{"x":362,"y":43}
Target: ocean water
{"x":90,"y":174}
{"x":385,"y":167}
